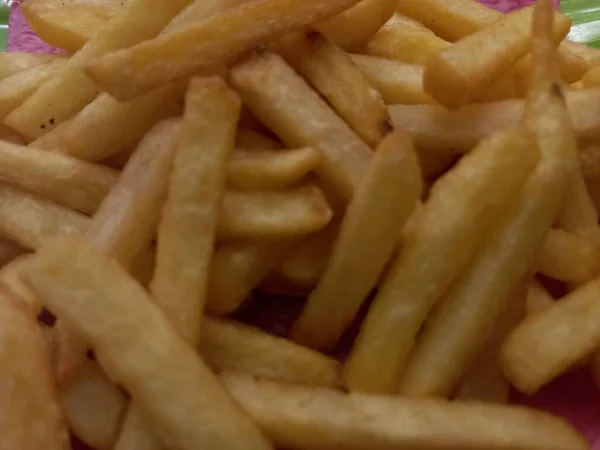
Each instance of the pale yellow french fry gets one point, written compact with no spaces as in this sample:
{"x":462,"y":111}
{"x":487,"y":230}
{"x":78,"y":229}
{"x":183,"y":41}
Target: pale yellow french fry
{"x":246,"y":262}
{"x":16,"y":62}
{"x":405,"y":40}
{"x":93,"y":406}
{"x":568,"y":257}
{"x":333,"y":74}
{"x":456,"y":216}
{"x":396,"y":82}
{"x":300,"y":118}
{"x":32,"y":417}
{"x":248,"y":139}
{"x":233,"y":347}
{"x":71,"y":90}
{"x":352,"y":28}
{"x":381,"y":205}
{"x":65,"y":180}
{"x":538,"y":298}
{"x":176,"y":390}
{"x":188,"y":225}
{"x":257,"y":169}
{"x":205,"y":44}
{"x":303,"y":417}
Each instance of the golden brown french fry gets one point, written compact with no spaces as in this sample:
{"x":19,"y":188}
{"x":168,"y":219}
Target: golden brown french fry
{"x":355,"y":26}
{"x":187,"y":406}
{"x":273,"y":214}
{"x":246,"y":262}
{"x":538,"y":297}
{"x":93,"y":406}
{"x":15,"y":62}
{"x":228,"y":346}
{"x":303,"y":417}
{"x":106,"y":126}
{"x":71,"y":90}
{"x":333,"y":74}
{"x":301,"y":118}
{"x":456,"y":216}
{"x":248,"y":139}
{"x":29,"y":220}
{"x":15,"y":89}
{"x":77,"y":184}
{"x":32,"y":417}
{"x":458,"y":131}
{"x":592,"y":77}
{"x":205,"y":44}
{"x":405,"y":40}
{"x":188,"y":224}
{"x":257,"y":169}
{"x":568,"y":257}
{"x":589,"y":54}
{"x":395,"y":81}
{"x":381,"y":205}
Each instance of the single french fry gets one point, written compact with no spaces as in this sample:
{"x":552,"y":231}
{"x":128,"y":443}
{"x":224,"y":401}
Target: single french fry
{"x":205,"y":44}
{"x":71,"y":90}
{"x":187,"y":407}
{"x":246,"y":262}
{"x":233,"y":347}
{"x":105,"y":8}
{"x":568,"y":257}
{"x":405,"y":40}
{"x":355,"y":26}
{"x":589,"y":54}
{"x":188,"y":224}
{"x":458,"y":131}
{"x":257,"y":169}
{"x":538,"y":298}
{"x":32,"y":417}
{"x":273,"y":214}
{"x":15,"y":89}
{"x":333,"y":74}
{"x":381,"y":205}
{"x":106,"y":126}
{"x":396,"y":82}
{"x":93,"y":406}
{"x":456,"y":216}
{"x":16,"y":62}
{"x":301,"y":118}
{"x":248,"y":139}
{"x":60,"y":178}
{"x":303,"y":417}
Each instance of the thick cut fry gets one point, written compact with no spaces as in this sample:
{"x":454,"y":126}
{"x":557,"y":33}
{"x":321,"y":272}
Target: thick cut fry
{"x":568,"y":257}
{"x":271,"y":169}
{"x":548,"y":343}
{"x":395,"y":81}
{"x":15,"y":89}
{"x":355,"y":26}
{"x":468,"y":67}
{"x":273,"y":215}
{"x":405,"y":40}
{"x":205,"y":44}
{"x":286,"y":104}
{"x":61,"y":178}
{"x":538,"y":297}
{"x":302,"y":417}
{"x":458,"y":131}
{"x":248,"y":263}
{"x":71,"y":90}
{"x":107,"y":126}
{"x":459,"y":212}
{"x":233,"y":347}
{"x":93,"y":406}
{"x":16,"y":62}
{"x":592,"y":77}
{"x":188,"y":226}
{"x":29,"y":220}
{"x":382,"y":204}
{"x":333,"y":74}
{"x":177,"y":391}
{"x":32,"y":417}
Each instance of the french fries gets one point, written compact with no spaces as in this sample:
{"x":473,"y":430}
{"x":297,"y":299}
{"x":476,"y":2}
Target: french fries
{"x":392,"y":184}
{"x":591,"y":78}
{"x":435,"y":255}
{"x":204,"y":45}
{"x":134,"y":433}
{"x":538,"y":297}
{"x":301,"y":118}
{"x":300,"y":417}
{"x":16,"y":62}
{"x":210,"y":415}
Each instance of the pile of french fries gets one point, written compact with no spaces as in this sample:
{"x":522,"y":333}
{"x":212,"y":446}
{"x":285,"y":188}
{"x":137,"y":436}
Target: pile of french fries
{"x":431,"y":162}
